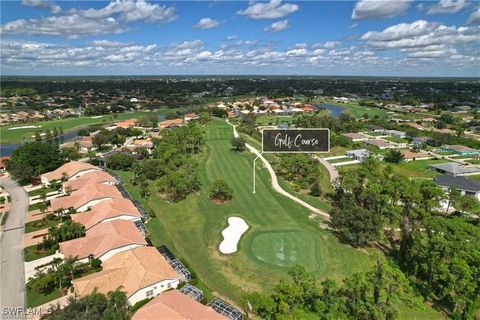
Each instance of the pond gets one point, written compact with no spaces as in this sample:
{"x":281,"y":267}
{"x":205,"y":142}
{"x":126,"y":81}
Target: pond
{"x":335,"y":111}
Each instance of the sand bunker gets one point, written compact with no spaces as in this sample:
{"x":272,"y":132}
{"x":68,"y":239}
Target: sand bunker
{"x":232,"y":234}
{"x":25,"y":127}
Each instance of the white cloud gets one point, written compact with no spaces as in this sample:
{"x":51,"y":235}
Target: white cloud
{"x":81,"y":23}
{"x":374,"y":9}
{"x":72,"y":26}
{"x":420,"y":34}
{"x":206,"y":23}
{"x":43,"y":4}
{"x":269,"y":10}
{"x":447,"y":6}
{"x":132,"y":11}
{"x":327,"y":44}
{"x":474,"y":17}
{"x":277,"y":26}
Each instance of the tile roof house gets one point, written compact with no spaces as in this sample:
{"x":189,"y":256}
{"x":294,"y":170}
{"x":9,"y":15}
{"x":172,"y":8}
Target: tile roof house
{"x":191,"y":116}
{"x":71,"y":170}
{"x":104,"y":240}
{"x":464,"y":185}
{"x":355,"y":136}
{"x":170,"y":123}
{"x":126,"y":123}
{"x":85,"y":197}
{"x":141,"y":273}
{"x":107,"y":211}
{"x":410,"y":155}
{"x":176,"y":305}
{"x":89,"y":178}
{"x":454,"y":169}
{"x":396,"y":133}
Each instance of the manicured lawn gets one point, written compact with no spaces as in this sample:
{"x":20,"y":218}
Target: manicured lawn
{"x":31,"y":253}
{"x":42,"y":224}
{"x":35,"y":299}
{"x":38,"y":192}
{"x":68,"y":124}
{"x":35,"y":206}
{"x":474,"y":161}
{"x":192,"y":227}
{"x":340,"y":160}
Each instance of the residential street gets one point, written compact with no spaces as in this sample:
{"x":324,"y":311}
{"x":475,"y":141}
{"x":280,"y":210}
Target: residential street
{"x":12,"y":276}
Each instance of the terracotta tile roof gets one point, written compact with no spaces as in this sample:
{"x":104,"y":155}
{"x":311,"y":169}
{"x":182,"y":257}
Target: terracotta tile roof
{"x":407,"y":154}
{"x":169,"y":123}
{"x":102,"y":238}
{"x":176,"y":305}
{"x":70,"y":169}
{"x":132,"y":270}
{"x":89,"y":178}
{"x":126,"y":123}
{"x":106,"y":210}
{"x":88,"y":192}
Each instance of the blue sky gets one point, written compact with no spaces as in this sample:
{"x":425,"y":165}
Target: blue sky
{"x":122,"y":37}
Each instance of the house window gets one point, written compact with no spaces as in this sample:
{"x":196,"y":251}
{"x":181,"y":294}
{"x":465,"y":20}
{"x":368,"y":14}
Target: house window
{"x":149,"y":293}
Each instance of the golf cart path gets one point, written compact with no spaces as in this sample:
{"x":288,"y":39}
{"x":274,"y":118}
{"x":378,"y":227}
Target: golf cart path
{"x":275,"y":184}
{"x":332,"y":171}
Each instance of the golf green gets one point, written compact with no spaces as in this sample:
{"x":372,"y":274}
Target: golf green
{"x":286,"y":248}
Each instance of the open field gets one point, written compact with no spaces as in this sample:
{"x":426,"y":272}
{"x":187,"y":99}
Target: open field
{"x":67,"y":124}
{"x":281,"y":232}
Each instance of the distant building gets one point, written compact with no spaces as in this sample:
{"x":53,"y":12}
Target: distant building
{"x":191,"y":116}
{"x":375,"y":128}
{"x":358,"y":154}
{"x":170,"y":124}
{"x":461,"y":150}
{"x":70,"y":170}
{"x":396,"y":133}
{"x":410,"y":155}
{"x":418,"y":141}
{"x":454,"y":169}
{"x":355,"y":137}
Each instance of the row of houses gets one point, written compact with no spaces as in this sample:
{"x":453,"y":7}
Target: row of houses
{"x":24,"y":116}
{"x":115,"y":234}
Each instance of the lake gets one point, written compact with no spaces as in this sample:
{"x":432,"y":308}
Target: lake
{"x":335,"y":111}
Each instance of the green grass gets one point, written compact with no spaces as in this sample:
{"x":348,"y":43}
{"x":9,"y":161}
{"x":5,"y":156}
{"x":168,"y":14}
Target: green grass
{"x":38,"y":192}
{"x":68,"y":124}
{"x":32,"y":253}
{"x":41,"y":224}
{"x":35,"y":206}
{"x":340,"y":160}
{"x":35,"y":299}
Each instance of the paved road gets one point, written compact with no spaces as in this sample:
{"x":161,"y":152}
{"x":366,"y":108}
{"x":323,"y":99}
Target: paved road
{"x":275,"y":184}
{"x":332,"y":171}
{"x":12,"y":285}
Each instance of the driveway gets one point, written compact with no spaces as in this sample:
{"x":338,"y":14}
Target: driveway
{"x":12,"y":288}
